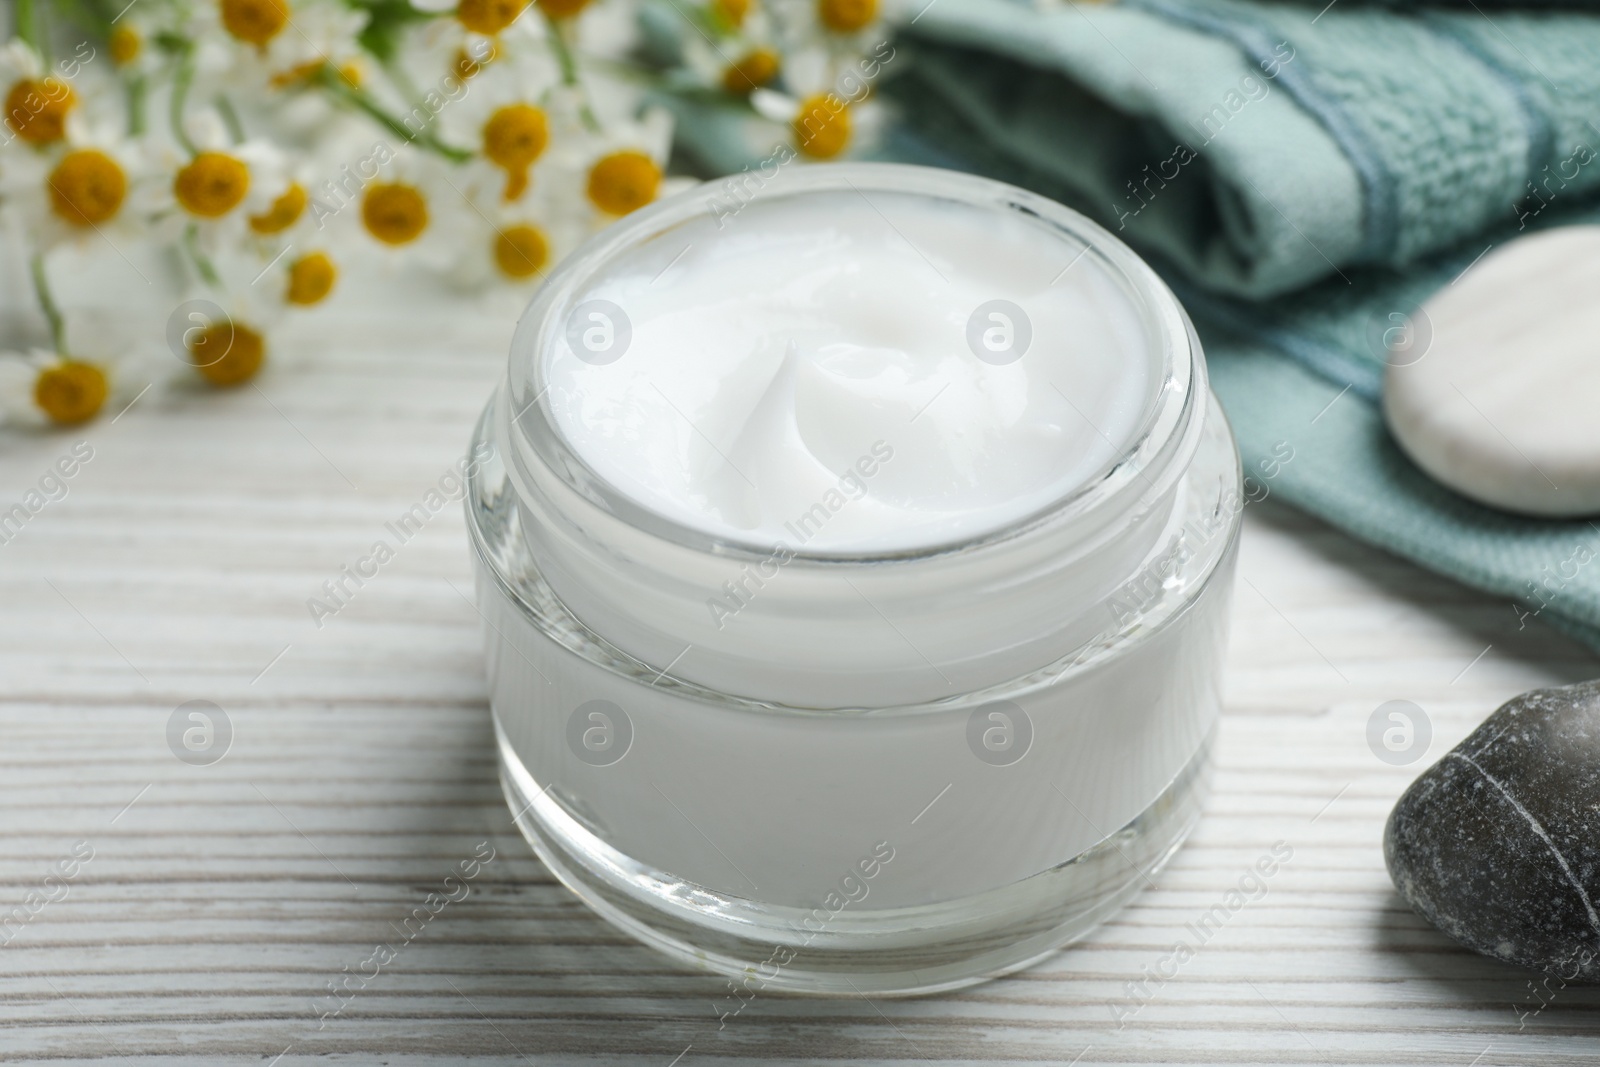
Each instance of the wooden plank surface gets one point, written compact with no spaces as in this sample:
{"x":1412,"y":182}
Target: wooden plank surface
{"x":221,"y":900}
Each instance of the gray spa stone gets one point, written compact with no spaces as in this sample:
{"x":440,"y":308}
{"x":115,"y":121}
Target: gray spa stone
{"x":1498,"y":844}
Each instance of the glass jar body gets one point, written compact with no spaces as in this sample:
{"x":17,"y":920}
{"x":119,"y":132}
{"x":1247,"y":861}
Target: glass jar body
{"x":890,"y":850}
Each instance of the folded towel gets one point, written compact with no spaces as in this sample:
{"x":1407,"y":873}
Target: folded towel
{"x":1299,"y":173}
{"x":1346,"y":469}
{"x":1260,"y":147}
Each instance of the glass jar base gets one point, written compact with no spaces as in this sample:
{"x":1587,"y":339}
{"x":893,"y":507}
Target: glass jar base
{"x":904,"y":951}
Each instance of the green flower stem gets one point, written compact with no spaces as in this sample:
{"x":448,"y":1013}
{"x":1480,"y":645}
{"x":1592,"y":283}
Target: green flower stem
{"x":569,"y":68}
{"x":82,"y":14}
{"x":180,"y":95}
{"x":31,"y":29}
{"x":563,"y":52}
{"x":402,"y":80}
{"x":28,"y":23}
{"x":332,"y":81}
{"x":230,"y":118}
{"x":47,"y":303}
{"x":202,"y":263}
{"x":138,"y":91}
{"x":626,"y":71}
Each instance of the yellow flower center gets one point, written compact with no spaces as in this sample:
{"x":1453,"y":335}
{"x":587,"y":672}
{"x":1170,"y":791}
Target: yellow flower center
{"x":70,"y":392}
{"x":752,"y":72}
{"x":301,"y":73}
{"x":255,"y":21}
{"x":87,"y":187}
{"x":520,"y":251}
{"x":227,"y":353}
{"x":731,"y":12}
{"x":822,"y":128}
{"x":513,"y":138}
{"x":623,"y":182}
{"x":283,"y":212}
{"x":488,"y":17}
{"x":311,"y":279}
{"x":211,"y":184}
{"x":561,"y":9}
{"x":395,"y":214}
{"x":469,"y":65}
{"x":846,"y":16}
{"x":37,"y":110}
{"x":124,"y":44}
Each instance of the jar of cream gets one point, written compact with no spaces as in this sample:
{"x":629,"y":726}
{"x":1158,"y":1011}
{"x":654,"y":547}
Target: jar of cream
{"x":856,"y":560}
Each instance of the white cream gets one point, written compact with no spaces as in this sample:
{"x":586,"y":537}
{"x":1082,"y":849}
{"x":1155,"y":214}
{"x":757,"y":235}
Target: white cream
{"x":813,"y":350}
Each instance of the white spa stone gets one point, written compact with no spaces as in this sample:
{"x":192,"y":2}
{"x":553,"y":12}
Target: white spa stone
{"x":1500,"y":400}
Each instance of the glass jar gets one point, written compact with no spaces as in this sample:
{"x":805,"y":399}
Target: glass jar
{"x":795,"y":801}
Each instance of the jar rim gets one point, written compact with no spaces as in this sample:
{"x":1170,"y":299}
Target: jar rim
{"x":1179,"y":373}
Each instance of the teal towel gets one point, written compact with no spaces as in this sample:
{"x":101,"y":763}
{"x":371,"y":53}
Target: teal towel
{"x":1260,"y":147}
{"x":1346,"y":468}
{"x":1299,"y":174}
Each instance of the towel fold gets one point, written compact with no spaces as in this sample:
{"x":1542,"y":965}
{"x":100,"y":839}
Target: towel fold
{"x":1346,"y":468}
{"x":1299,"y":173}
{"x":1261,"y":147}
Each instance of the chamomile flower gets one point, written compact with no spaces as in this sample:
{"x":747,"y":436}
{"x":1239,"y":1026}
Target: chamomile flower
{"x":839,"y":28}
{"x":324,"y":33}
{"x":520,"y":250}
{"x":513,"y":245}
{"x":488,"y":18}
{"x":311,"y":278}
{"x":756,"y":66}
{"x":623,"y":181}
{"x":218,"y":188}
{"x":41,"y":388}
{"x":434,"y":50}
{"x":514,"y":136}
{"x":478,"y":34}
{"x":507,"y":123}
{"x":130,"y":49}
{"x":230,"y":348}
{"x":286,"y":214}
{"x":510,"y":251}
{"x":36,"y":101}
{"x":318,"y":204}
{"x":102,"y":364}
{"x":411,"y":210}
{"x":472,"y":58}
{"x":736,"y":50}
{"x":734,"y":16}
{"x":133,"y":41}
{"x":300,"y":244}
{"x":847,"y":16}
{"x":624,"y":166}
{"x":735,"y":65}
{"x":227,"y":353}
{"x":254,"y":22}
{"x":823,"y":123}
{"x":251,"y":45}
{"x":834,"y":46}
{"x":95,"y":185}
{"x":262,"y":143}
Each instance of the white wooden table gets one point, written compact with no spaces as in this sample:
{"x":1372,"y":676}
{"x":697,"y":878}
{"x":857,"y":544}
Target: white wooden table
{"x":221,"y":900}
